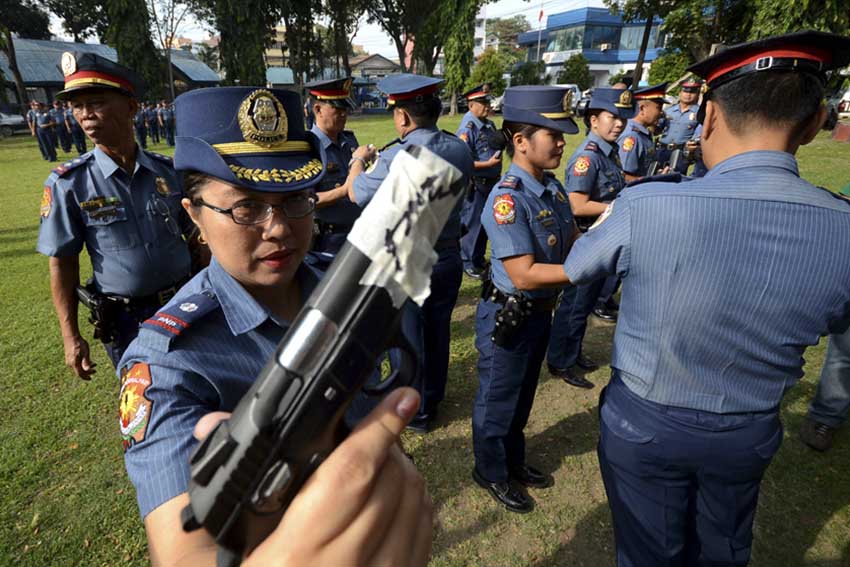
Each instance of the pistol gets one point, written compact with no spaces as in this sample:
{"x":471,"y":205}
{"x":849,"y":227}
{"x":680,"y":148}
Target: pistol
{"x":247,"y":471}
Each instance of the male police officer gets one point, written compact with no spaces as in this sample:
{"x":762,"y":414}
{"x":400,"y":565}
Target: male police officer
{"x":165,"y":116}
{"x":45,"y":125}
{"x":73,"y":127}
{"x":122,"y":203}
{"x":679,"y":123}
{"x":486,"y":143}
{"x":335,"y":213}
{"x":726,"y":280}
{"x":61,"y":132}
{"x":140,"y":125}
{"x":32,"y":122}
{"x":637,"y":148}
{"x":415,"y":105}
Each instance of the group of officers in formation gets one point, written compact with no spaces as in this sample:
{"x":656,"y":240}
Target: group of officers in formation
{"x":726,"y":280}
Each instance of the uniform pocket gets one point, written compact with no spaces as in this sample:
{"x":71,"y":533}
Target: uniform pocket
{"x":622,"y":427}
{"x":110,"y":228}
{"x":768,"y":449}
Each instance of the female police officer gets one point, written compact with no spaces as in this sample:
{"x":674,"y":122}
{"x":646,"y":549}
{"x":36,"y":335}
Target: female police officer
{"x":528,"y":221}
{"x":594,"y":177}
{"x":250,"y":168}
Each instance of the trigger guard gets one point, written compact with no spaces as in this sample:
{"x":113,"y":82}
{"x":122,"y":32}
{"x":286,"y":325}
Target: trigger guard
{"x":407,"y":355}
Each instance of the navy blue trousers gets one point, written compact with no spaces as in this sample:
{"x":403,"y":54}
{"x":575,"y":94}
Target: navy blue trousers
{"x":507,"y":382}
{"x":570,"y":322}
{"x":42,"y":145}
{"x":64,"y":137}
{"x":473,"y":244}
{"x":127,"y":327}
{"x":142,"y":136}
{"x":682,"y":484}
{"x":609,"y":288}
{"x":47,"y":140}
{"x":153,"y":130}
{"x":168,"y":132}
{"x":79,"y":138}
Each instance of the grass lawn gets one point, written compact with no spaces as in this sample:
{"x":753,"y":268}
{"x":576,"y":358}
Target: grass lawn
{"x":65,"y":498}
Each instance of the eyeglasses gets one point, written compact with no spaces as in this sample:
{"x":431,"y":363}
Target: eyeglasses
{"x":161,"y":207}
{"x":255,"y":212}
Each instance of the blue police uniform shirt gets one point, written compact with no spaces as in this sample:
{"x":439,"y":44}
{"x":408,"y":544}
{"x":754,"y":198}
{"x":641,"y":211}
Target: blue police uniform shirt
{"x":167,"y":115}
{"x":726,"y":280}
{"x":637,"y":149}
{"x":343,"y":211}
{"x":31,"y":115}
{"x":594,"y":169}
{"x":524,"y":216}
{"x":131,"y":226}
{"x":150,"y":114}
{"x":139,"y":119}
{"x":44,"y":118}
{"x":476,"y":133}
{"x":220,"y":338}
{"x":680,"y":124}
{"x":448,"y":147}
{"x":57,"y":115}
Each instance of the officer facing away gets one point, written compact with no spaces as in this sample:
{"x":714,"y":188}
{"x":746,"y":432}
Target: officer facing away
{"x":727,"y":279}
{"x":122,"y":204}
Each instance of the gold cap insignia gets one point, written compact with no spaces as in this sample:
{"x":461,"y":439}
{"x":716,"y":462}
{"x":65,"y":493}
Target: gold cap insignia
{"x":262,"y":119}
{"x":625,"y":99}
{"x":347,"y":86}
{"x":68,"y":63}
{"x":567,"y":103}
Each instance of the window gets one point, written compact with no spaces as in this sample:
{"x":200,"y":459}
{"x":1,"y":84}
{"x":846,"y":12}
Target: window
{"x":633,"y":35}
{"x":596,"y":36}
{"x":565,"y":39}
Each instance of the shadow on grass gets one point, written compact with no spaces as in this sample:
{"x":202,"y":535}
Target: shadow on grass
{"x":589,"y":544}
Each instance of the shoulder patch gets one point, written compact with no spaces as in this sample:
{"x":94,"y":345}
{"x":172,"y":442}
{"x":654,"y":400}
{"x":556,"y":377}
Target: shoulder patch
{"x":504,"y":209}
{"x":510,"y":181}
{"x":581,"y":166}
{"x":666,"y":178}
{"x":592,"y":146}
{"x":46,"y":201}
{"x":134,"y":407}
{"x":174,"y":321}
{"x":61,"y":170}
{"x":629,"y":144}
{"x":464,"y":136}
{"x":160,"y":157}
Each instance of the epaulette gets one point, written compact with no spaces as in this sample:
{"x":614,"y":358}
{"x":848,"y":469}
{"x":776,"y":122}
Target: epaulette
{"x":661,"y":178}
{"x":511,"y":182}
{"x":592,"y":146}
{"x":348,"y":132}
{"x":168,"y":324}
{"x":160,"y":157}
{"x":452,"y":134}
{"x":388,"y":144}
{"x":470,"y":124}
{"x":61,"y":170}
{"x":839,"y":196}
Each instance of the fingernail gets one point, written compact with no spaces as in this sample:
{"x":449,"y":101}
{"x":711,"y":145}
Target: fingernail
{"x":407,"y":405}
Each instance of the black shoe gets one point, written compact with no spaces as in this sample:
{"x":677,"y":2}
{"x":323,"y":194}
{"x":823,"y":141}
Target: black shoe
{"x":816,"y":435}
{"x":586,"y":363}
{"x":474,"y":273}
{"x":569,"y":376}
{"x":419,"y":425}
{"x":604,"y":313}
{"x":612,"y":304}
{"x":531,"y":477}
{"x":505,"y":494}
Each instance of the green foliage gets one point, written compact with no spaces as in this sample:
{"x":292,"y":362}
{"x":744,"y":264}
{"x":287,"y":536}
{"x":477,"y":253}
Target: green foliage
{"x":694,"y":25}
{"x":774,"y":17}
{"x":80,"y":18}
{"x":620,"y":76}
{"x":399,"y":18}
{"x":25,"y":18}
{"x":576,"y":70}
{"x":460,"y":46}
{"x":431,"y":33}
{"x":528,"y":73}
{"x":669,"y":66}
{"x":209,"y":56}
{"x":129,"y":33}
{"x":344,"y":15}
{"x":490,"y":67}
{"x":507,"y":30}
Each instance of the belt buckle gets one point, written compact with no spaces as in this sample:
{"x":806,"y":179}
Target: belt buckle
{"x":165,"y":295}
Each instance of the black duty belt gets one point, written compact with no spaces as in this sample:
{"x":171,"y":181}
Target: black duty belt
{"x":332,"y":228}
{"x":538,"y":304}
{"x":672,"y":146}
{"x":157,"y":299}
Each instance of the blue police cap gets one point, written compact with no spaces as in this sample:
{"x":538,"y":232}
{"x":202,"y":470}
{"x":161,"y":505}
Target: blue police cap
{"x":90,"y":71}
{"x":655,"y":92}
{"x":407,"y":88}
{"x":549,"y":107}
{"x":480,"y":93}
{"x":618,"y":102}
{"x":247,"y":136}
{"x":336,"y":92}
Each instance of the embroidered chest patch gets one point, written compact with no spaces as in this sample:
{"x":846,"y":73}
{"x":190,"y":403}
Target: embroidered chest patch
{"x":504,"y":209}
{"x":134,"y":407}
{"x":581,"y":166}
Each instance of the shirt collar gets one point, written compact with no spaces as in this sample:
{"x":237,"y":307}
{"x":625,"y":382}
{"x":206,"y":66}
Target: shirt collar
{"x":419,"y":132}
{"x":108,"y":167}
{"x":759,"y":158}
{"x":606,"y":147}
{"x":634,"y":124}
{"x":477,"y":121}
{"x":529,"y":182}
{"x":324,"y":138}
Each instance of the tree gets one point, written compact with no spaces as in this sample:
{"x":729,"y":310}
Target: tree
{"x":528,"y":73}
{"x":246,"y":28}
{"x":303,"y":38}
{"x":344,"y":17}
{"x":775,"y":17}
{"x":507,"y":31}
{"x":460,"y":47}
{"x":576,"y":70}
{"x":670,"y":66}
{"x":397,"y":18}
{"x":209,"y":56}
{"x":621,"y":76}
{"x":693,"y":26}
{"x":646,"y":10}
{"x":431,"y":33}
{"x":25,"y":19}
{"x":167,"y":17}
{"x":129,"y":33}
{"x":81,"y":18}
{"x":490,"y":69}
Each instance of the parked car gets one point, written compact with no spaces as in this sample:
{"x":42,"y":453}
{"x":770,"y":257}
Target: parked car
{"x":11,"y":123}
{"x":496,"y":104}
{"x":576,"y":92}
{"x":844,"y":106}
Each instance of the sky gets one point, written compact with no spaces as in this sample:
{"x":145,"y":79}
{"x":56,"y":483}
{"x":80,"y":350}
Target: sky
{"x":373,"y":39}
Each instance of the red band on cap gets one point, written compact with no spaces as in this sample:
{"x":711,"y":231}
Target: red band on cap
{"x":413,"y":94}
{"x":799,"y":52}
{"x":97,"y":79}
{"x":329,"y":92}
{"x":476,"y":94}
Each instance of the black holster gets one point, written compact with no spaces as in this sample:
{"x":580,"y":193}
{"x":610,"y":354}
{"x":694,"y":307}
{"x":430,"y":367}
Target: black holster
{"x":103,"y":312}
{"x":514,"y":310}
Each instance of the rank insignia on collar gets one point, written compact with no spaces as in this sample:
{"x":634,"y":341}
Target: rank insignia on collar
{"x":629,"y":144}
{"x":262,"y":119}
{"x":134,"y":408}
{"x":561,"y":197}
{"x":46,"y":201}
{"x":581,"y":166}
{"x":592,"y":146}
{"x":162,"y":187}
{"x":509,"y":181}
{"x":504,"y":210}
{"x":543,"y":214}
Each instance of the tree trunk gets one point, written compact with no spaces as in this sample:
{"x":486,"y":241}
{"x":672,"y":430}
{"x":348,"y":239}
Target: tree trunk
{"x":170,"y":73}
{"x":647,"y":30}
{"x":16,"y":73}
{"x":399,"y":46}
